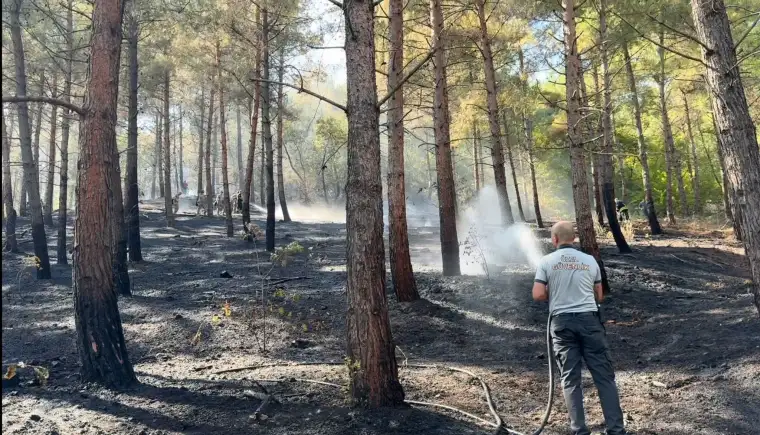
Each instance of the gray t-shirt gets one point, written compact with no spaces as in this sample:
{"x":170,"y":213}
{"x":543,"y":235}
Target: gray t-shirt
{"x":570,"y":276}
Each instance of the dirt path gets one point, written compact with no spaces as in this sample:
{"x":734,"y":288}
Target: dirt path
{"x":685,"y":341}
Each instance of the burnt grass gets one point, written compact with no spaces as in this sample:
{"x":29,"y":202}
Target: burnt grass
{"x":684,"y":335}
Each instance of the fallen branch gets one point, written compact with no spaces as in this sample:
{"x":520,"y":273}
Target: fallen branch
{"x":284,"y":280}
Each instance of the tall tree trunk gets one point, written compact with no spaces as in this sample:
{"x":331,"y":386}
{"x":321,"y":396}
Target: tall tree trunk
{"x":497,"y":153}
{"x":248,"y":188}
{"x":202,"y":110}
{"x":280,"y":138}
{"x":694,"y":158}
{"x":239,"y":167}
{"x":210,"y":194}
{"x":156,"y":155}
{"x":667,"y":134}
{"x":35,"y":120}
{"x":181,"y":158}
{"x":63,"y":184}
{"x":373,"y":373}
{"x":476,"y":155}
{"x":132,"y":212}
{"x":608,"y":180}
{"x":223,"y":130}
{"x":100,"y":339}
{"x":266,"y":130}
{"x":11,"y":245}
{"x":443,"y":162}
{"x":620,"y":159}
{"x":724,"y":182}
{"x":588,"y":130}
{"x":400,"y":260}
{"x":510,"y":157}
{"x":649,"y":209}
{"x":584,"y":222}
{"x":47,"y":208}
{"x":167,"y":152}
{"x":215,"y":153}
{"x":31,"y":179}
{"x":738,"y":137}
{"x":528,"y":128}
{"x":119,"y":234}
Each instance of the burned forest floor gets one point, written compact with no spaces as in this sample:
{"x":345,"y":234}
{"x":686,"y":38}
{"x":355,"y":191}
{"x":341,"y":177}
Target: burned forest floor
{"x":213,"y":329}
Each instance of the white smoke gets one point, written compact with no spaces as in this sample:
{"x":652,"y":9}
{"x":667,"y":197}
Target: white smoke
{"x":486,"y":246}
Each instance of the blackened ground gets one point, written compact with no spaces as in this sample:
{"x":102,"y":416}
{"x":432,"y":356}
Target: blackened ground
{"x":685,"y":340}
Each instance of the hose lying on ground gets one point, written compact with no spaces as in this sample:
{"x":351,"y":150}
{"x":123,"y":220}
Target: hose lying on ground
{"x":497,"y":422}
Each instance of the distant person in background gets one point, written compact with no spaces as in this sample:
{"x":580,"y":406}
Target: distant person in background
{"x":184,"y":187}
{"x":622,"y":211}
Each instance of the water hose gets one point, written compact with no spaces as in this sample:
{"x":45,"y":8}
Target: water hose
{"x":549,"y":353}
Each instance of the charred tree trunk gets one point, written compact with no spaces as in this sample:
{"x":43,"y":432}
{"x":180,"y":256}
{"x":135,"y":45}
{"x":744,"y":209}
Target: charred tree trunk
{"x":667,"y":134}
{"x":239,"y":169}
{"x":31,"y":179}
{"x":100,"y":339}
{"x":510,"y":157}
{"x":167,"y":153}
{"x":209,"y":188}
{"x":738,"y":137}
{"x":373,"y":373}
{"x":443,"y":162}
{"x":11,"y":245}
{"x":694,"y":158}
{"x":400,"y":260}
{"x":588,"y":130}
{"x":249,"y":187}
{"x":132,"y":212}
{"x":223,"y":131}
{"x":266,"y":130}
{"x":180,"y":157}
{"x":584,"y":222}
{"x":476,"y":155}
{"x":497,"y":153}
{"x":160,"y":151}
{"x":47,"y":208}
{"x":215,"y":153}
{"x":156,"y":155}
{"x":202,"y":110}
{"x":649,"y":209}
{"x":528,"y":129}
{"x":262,"y":166}
{"x":280,"y":138}
{"x":608,"y":180}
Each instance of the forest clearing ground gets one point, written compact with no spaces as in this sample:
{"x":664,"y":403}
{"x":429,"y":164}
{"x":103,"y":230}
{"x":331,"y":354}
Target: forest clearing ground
{"x":685,"y":340}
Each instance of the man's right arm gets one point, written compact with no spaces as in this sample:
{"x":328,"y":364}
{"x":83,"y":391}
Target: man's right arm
{"x":598,"y":290}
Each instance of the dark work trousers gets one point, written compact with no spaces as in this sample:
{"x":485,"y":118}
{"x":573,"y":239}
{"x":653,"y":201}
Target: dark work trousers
{"x":581,"y":336}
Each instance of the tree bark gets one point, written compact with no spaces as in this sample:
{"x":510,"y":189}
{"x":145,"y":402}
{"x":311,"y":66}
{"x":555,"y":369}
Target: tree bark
{"x":202,"y":110}
{"x":223,"y":131}
{"x":167,"y":152}
{"x":249,"y":187}
{"x":156,"y":154}
{"x":373,"y":372}
{"x":497,"y":153}
{"x":649,"y":209}
{"x":209,"y":188}
{"x":588,"y":130}
{"x":100,"y":339}
{"x":31,"y":179}
{"x":608,"y":180}
{"x":215,"y":153}
{"x":47,"y":208}
{"x":402,"y":274}
{"x":584,"y":222}
{"x":239,"y":168}
{"x":667,"y":134}
{"x":620,"y":160}
{"x":160,"y":151}
{"x":738,"y":137}
{"x":528,"y":128}
{"x":694,"y":157}
{"x":262,"y":167}
{"x":11,"y":245}
{"x":180,"y":157}
{"x":443,"y":162}
{"x":280,"y":138}
{"x":476,"y":155}
{"x":132,"y":212}
{"x":63,"y":184}
{"x":510,"y":157}
{"x":119,"y":234}
{"x":266,"y":130}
